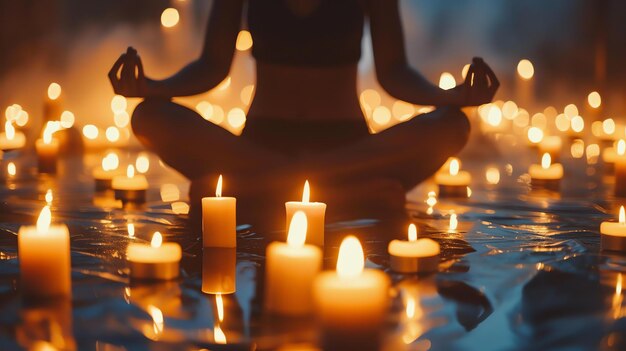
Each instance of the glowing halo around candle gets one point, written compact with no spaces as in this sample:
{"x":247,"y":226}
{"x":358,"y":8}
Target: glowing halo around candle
{"x":351,"y":260}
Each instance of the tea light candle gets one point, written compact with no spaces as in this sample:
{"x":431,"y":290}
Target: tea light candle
{"x":53,"y":105}
{"x":613,"y":235}
{"x":620,"y":169}
{"x":11,"y":139}
{"x":219,"y":224}
{"x":44,"y":258}
{"x":546,"y":173}
{"x":314,"y":211}
{"x":47,"y":152}
{"x":154,"y":261}
{"x":104,"y":174}
{"x":130,"y":187}
{"x":551,"y":145}
{"x":219,"y":269}
{"x":455,"y":182}
{"x":414,"y":255}
{"x":290,"y":270}
{"x":351,"y":299}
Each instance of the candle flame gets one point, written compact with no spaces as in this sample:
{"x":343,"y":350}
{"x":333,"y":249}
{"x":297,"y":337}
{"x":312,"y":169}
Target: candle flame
{"x":219,"y":302}
{"x":618,"y":285}
{"x":131,"y":230}
{"x":157,"y":318}
{"x":157,"y":240}
{"x":454,"y":223}
{"x":410,"y":307}
{"x":11,"y":169}
{"x":54,"y":91}
{"x":130,"y":171}
{"x":621,"y":147}
{"x":546,"y":160}
{"x":412,"y":232}
{"x":297,"y":230}
{"x":49,"y":197}
{"x":454,"y":166}
{"x":43,"y":222}
{"x":351,"y":260}
{"x":306,"y":192}
{"x":218,"y":335}
{"x":218,"y":188}
{"x":622,"y":216}
{"x":47,"y":136}
{"x":9,"y":130}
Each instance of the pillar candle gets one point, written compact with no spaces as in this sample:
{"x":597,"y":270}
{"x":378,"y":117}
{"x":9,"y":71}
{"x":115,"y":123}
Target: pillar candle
{"x":524,"y":83}
{"x":47,"y":152}
{"x":11,"y":139}
{"x":154,"y":261}
{"x":414,"y":255}
{"x":351,"y":299}
{"x":314,"y":211}
{"x":53,"y":105}
{"x":613,"y":234}
{"x":44,"y":255}
{"x":620,"y":169}
{"x":219,"y":269}
{"x":219,"y":224}
{"x":290,"y":270}
{"x":551,"y":145}
{"x":130,"y":187}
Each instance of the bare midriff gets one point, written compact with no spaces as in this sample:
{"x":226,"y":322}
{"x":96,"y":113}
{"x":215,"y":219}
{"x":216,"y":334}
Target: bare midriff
{"x":312,"y":93}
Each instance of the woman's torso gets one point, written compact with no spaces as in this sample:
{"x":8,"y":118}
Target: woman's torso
{"x":307,"y":53}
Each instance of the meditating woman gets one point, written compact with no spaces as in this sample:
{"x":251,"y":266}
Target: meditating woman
{"x":305,"y":121}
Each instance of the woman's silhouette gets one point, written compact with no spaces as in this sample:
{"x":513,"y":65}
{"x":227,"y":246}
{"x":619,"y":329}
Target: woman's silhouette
{"x":305,"y":121}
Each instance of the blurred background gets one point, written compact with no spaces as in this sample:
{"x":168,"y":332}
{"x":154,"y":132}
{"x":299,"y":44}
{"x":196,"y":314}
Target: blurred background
{"x":576,"y":46}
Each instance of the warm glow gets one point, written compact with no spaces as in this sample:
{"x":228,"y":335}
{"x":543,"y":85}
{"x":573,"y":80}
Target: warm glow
{"x":535,"y":135}
{"x":157,"y":240}
{"x":118,"y":104}
{"x":369,"y":98}
{"x":578,"y":124}
{"x":48,"y":197}
{"x":218,"y":335}
{"x":351,"y":260}
{"x":131,"y":230}
{"x":22,"y":118}
{"x":218,"y":188}
{"x":121,"y":119}
{"x":621,"y":147}
{"x":402,"y":110}
{"x":11,"y":169}
{"x":180,"y":207}
{"x":43,"y":222}
{"x":306,"y":192}
{"x":594,"y":99}
{"x":454,"y":166}
{"x":410,"y":307}
{"x":539,"y":120}
{"x":246,"y":94}
{"x":142,"y":163}
{"x":546,"y":160}
{"x":562,"y":122}
{"x":170,"y":17}
{"x":608,"y":126}
{"x":578,"y":148}
{"x":432,"y":199}
{"x":90,"y":131}
{"x":67,"y":119}
{"x":236,"y":117}
{"x":509,"y":110}
{"x":412,"y":232}
{"x":469,"y":191}
{"x":157,"y":318}
{"x":219,"y":303}
{"x":54,"y":91}
{"x":297,"y":230}
{"x":494,"y":117}
{"x":170,"y":193}
{"x":525,"y":69}
{"x":446,"y":81}
{"x":9,"y":130}
{"x":224,"y":84}
{"x":622,"y":215}
{"x":492,"y":175}
{"x":130,"y":171}
{"x":110,"y":162}
{"x":244,"y":40}
{"x":454,"y":223}
{"x":570,"y":111}
{"x":112,"y":134}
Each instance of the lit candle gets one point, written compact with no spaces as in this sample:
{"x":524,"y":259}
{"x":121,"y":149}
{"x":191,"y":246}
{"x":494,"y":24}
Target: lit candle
{"x":314,"y":211}
{"x":44,"y":257}
{"x":47,"y":151}
{"x":290,"y":269}
{"x":613,"y":235}
{"x":547,"y":174}
{"x":130,"y":187}
{"x":11,"y":139}
{"x":414,"y":255}
{"x":219,"y":269}
{"x":154,"y":261}
{"x":104,"y":174}
{"x":219,"y":223}
{"x":454,"y":182}
{"x":53,"y":105}
{"x":620,"y":169}
{"x":351,"y":299}
{"x":551,"y":145}
{"x":524,"y":82}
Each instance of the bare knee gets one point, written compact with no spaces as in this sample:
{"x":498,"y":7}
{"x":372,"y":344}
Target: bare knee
{"x":457,"y":128}
{"x":147,"y":118}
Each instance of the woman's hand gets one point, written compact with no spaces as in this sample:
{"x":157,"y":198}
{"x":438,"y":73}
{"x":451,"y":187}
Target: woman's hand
{"x":130,"y":80}
{"x":480,"y":85}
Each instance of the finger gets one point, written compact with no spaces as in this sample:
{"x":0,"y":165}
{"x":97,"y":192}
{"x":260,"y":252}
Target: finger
{"x":116,"y":67}
{"x":495,"y":83}
{"x":140,"y":74}
{"x":469,"y":77}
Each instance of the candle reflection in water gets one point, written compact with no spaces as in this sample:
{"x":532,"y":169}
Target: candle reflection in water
{"x":46,"y":326}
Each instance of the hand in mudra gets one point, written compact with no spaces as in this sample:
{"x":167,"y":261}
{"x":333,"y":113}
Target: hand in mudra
{"x":126,"y":75}
{"x":480,"y":85}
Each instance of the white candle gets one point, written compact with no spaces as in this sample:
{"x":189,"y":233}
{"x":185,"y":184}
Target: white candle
{"x":47,"y":152}
{"x":414,"y":255}
{"x":130,"y":187}
{"x":351,"y":298}
{"x":620,"y":169}
{"x":11,"y":139}
{"x":524,"y":82}
{"x":613,"y":234}
{"x":219,"y":223}
{"x":290,"y":270}
{"x":547,"y":171}
{"x":156,"y":261}
{"x":315,"y":212}
{"x":453,"y":182}
{"x":551,"y":145}
{"x":44,"y":256}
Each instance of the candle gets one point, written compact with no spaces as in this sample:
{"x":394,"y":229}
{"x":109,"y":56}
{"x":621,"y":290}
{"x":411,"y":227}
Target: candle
{"x":524,"y":82}
{"x":620,"y":169}
{"x":156,"y":261}
{"x":47,"y":151}
{"x":455,"y":182}
{"x":219,"y":224}
{"x":44,"y":257}
{"x":414,"y":255}
{"x":613,"y":235}
{"x":52,"y":107}
{"x":104,"y":174}
{"x":290,"y":270}
{"x":10,"y":139}
{"x":130,"y":187}
{"x":551,"y":145}
{"x":314,"y":211}
{"x":547,"y":174}
{"x":351,"y":299}
{"x":219,"y":269}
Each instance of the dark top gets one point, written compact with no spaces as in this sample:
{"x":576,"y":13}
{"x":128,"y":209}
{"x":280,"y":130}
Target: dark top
{"x":328,"y":35}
